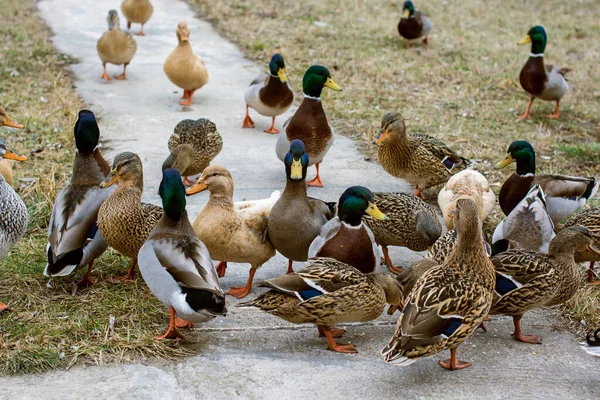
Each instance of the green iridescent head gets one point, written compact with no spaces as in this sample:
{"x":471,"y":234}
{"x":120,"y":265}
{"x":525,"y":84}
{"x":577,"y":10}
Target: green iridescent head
{"x":537,"y":37}
{"x":172,"y":192}
{"x":315,"y":79}
{"x":523,"y":154}
{"x":356,"y":202}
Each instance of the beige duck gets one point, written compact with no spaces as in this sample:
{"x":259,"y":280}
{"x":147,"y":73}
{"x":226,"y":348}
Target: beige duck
{"x":184,"y":68}
{"x":138,"y":11}
{"x":115,"y":46}
{"x":5,"y":166}
{"x":232,"y":235}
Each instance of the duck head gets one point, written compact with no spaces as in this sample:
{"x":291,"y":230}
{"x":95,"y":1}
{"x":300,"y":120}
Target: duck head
{"x":574,"y":239}
{"x":126,"y":170}
{"x":523,"y":154}
{"x":296,"y":161}
{"x":172,"y":193}
{"x":537,"y":37}
{"x":8,"y":154}
{"x":113,"y":20}
{"x":408,"y":9}
{"x":183,"y":32}
{"x":5,"y":120}
{"x":466,"y":220}
{"x":86,"y":132}
{"x":392,"y":128}
{"x":315,"y":79}
{"x":216,"y":179}
{"x":277,"y":67}
{"x":355,"y":202}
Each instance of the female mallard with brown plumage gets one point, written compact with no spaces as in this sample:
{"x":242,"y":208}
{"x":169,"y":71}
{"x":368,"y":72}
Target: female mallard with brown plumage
{"x":193,"y":145}
{"x":124,"y":221}
{"x":590,"y":219}
{"x":449,"y":301}
{"x":409,"y":222}
{"x":138,"y":11}
{"x":184,"y":68}
{"x":326,"y":293}
{"x":5,"y":166}
{"x":414,"y":24}
{"x":527,"y":279}
{"x":564,"y":194}
{"x":309,"y":122}
{"x":115,"y":46}
{"x":345,"y":237}
{"x":421,"y":160}
{"x":74,"y":239}
{"x":542,"y":81}
{"x":270,"y":95}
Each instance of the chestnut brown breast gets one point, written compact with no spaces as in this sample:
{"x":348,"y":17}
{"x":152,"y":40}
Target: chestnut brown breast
{"x":352,"y":246}
{"x":310,"y":125}
{"x":410,"y":28}
{"x":533,"y":76}
{"x":276,"y":94}
{"x":512,"y":192}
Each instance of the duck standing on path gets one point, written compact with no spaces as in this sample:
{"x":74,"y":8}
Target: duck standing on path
{"x":176,"y":265}
{"x":270,"y":95}
{"x":5,"y":167}
{"x":184,"y":68}
{"x":115,"y":46}
{"x":296,"y":219}
{"x":124,"y":221}
{"x":413,"y":24}
{"x":345,"y":237}
{"x":309,"y":122}
{"x":74,"y":239}
{"x":564,"y":194}
{"x":544,"y":81}
{"x":138,"y":11}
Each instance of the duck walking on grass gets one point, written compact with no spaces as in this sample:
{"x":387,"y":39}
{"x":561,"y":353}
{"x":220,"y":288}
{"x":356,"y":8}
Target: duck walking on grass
{"x":176,"y":265}
{"x":138,"y":11}
{"x":115,"y":46}
{"x":270,"y":95}
{"x":414,"y":24}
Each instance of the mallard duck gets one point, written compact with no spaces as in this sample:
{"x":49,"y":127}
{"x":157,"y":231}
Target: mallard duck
{"x":176,"y":265}
{"x":124,"y":221}
{"x":528,"y":279}
{"x":564,"y":194}
{"x":193,"y":145}
{"x":74,"y":239}
{"x":449,"y":301}
{"x":544,"y":81}
{"x":184,"y":68}
{"x":13,"y":223}
{"x":414,"y":24}
{"x":421,"y":160}
{"x":296,"y":219}
{"x":232,"y":235}
{"x":445,"y":244}
{"x":270,"y":95}
{"x":5,"y":167}
{"x":592,"y":343}
{"x":115,"y":46}
{"x":309,"y":123}
{"x":528,"y":225}
{"x":326,"y":293}
{"x":590,"y":219}
{"x":410,"y":222}
{"x":138,"y":11}
{"x":467,"y":183}
{"x":345,"y":237}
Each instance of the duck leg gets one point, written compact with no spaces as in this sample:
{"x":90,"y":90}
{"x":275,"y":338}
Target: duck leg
{"x":128,"y":24}
{"x":182,"y":323}
{"x":290,"y":268}
{"x":130,"y":274}
{"x":172,"y":332}
{"x":518,"y":335}
{"x":241,"y":292}
{"x":123,"y":76}
{"x":104,"y":74}
{"x":247,"y":123}
{"x":388,"y":261}
{"x":527,"y":114}
{"x":556,"y":112}
{"x":188,"y":101}
{"x":317,"y":181}
{"x":221,"y":268}
{"x":87,"y":280}
{"x":336,"y":333}
{"x":426,"y":40}
{"x":272,"y":129}
{"x":3,"y":306}
{"x":141,"y":32}
{"x":332,"y":345}
{"x":417,"y":193}
{"x":454,"y":363}
{"x":591,"y":277}
{"x":185,"y":95}
{"x":407,"y":44}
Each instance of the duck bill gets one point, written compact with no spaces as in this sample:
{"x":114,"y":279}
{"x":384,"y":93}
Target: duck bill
{"x":507,"y":161}
{"x":374,"y":212}
{"x":593,"y":249}
{"x":381,"y":137}
{"x":281,"y":75}
{"x":10,"y":122}
{"x":525,"y":40}
{"x":11,"y":155}
{"x":110,"y":180}
{"x":332,"y":85}
{"x":296,"y":170}
{"x":197,"y":188}
{"x":395,"y":307}
{"x":406,"y":14}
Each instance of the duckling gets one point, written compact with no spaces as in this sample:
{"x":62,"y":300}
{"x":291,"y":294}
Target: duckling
{"x":449,"y":301}
{"x":542,"y":81}
{"x":138,"y":11}
{"x":270,"y":95}
{"x":193,"y":145}
{"x":414,"y":24}
{"x":184,"y":68}
{"x":296,"y":219}
{"x":564,"y":194}
{"x":467,"y":183}
{"x":176,"y":265}
{"x":410,"y":222}
{"x":326,"y":293}
{"x":115,"y":46}
{"x":590,"y":219}
{"x":421,"y":160}
{"x":528,"y":279}
{"x":232,"y":235}
{"x":345,"y":237}
{"x":74,"y":239}
{"x":309,"y":123}
{"x":5,"y":167}
{"x":124,"y":221}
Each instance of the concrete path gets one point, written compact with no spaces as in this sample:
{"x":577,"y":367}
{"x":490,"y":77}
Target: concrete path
{"x":250,"y":354}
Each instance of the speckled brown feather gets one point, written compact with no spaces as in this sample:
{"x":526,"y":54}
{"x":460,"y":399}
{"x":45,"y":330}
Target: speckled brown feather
{"x":590,"y":219}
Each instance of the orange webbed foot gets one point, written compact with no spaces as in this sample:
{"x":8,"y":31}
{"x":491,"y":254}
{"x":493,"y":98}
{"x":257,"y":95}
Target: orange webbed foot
{"x":343,"y":348}
{"x":272,"y":130}
{"x":221,"y":268}
{"x":171,"y":333}
{"x":85,"y":282}
{"x":317,"y":182}
{"x":554,"y":116}
{"x":335,"y":333}
{"x":121,"y":77}
{"x":3,"y":306}
{"x":247,"y":123}
{"x":531,"y":339}
{"x":106,"y":77}
{"x":454,"y":364}
{"x":182,"y":323}
{"x":239,"y":292}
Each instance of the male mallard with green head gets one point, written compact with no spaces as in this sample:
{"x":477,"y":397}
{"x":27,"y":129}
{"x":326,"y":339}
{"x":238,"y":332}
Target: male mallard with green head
{"x":270,"y":95}
{"x":309,"y":122}
{"x":414,"y":24}
{"x":544,"y":81}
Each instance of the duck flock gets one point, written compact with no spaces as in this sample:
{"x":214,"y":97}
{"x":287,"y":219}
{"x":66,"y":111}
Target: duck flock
{"x":532,"y":260}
